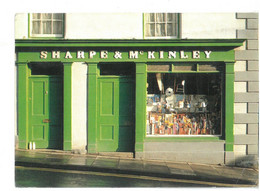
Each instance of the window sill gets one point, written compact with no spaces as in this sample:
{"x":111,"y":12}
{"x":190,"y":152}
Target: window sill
{"x":46,"y":37}
{"x":181,"y":138}
{"x":162,"y":37}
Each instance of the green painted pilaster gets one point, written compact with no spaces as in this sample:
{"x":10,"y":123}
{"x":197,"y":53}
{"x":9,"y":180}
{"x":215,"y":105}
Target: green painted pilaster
{"x":229,"y":110}
{"x":67,"y":103}
{"x":22,"y":105}
{"x":140,"y":107}
{"x":92,"y":107}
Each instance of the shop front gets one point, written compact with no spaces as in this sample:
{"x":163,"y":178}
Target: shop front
{"x":160,"y":99}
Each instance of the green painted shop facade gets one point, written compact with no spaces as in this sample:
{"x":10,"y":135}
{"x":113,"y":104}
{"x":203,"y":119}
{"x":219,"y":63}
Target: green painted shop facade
{"x":118,"y":71}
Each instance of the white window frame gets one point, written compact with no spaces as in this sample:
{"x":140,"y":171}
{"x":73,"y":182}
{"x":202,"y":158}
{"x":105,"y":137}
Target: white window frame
{"x":162,"y":37}
{"x":46,"y":35}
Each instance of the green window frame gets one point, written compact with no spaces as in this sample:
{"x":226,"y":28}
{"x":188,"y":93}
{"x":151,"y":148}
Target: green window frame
{"x":186,"y":68}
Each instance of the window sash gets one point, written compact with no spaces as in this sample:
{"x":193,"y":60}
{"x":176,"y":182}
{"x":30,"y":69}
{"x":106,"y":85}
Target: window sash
{"x":46,"y":25}
{"x":161,"y":25}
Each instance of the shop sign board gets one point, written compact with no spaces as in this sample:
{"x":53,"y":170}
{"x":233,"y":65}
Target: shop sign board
{"x":132,"y":54}
{"x":126,"y":50}
{"x":117,"y":55}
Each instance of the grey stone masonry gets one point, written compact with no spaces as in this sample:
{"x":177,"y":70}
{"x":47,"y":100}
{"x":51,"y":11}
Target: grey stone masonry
{"x":229,"y":158}
{"x":253,"y":86}
{"x":251,"y":97}
{"x":252,"y":129}
{"x":246,"y":55}
{"x":183,"y":147}
{"x":245,"y":139}
{"x":246,"y":118}
{"x":246,"y":97}
{"x":207,"y":157}
{"x":251,"y":77}
{"x":247,"y":34}
{"x":252,"y":24}
{"x":186,"y":151}
{"x":252,"y":107}
{"x":252,"y":65}
{"x":252,"y":149}
{"x":252,"y":44}
{"x":247,"y":15}
{"x":246,"y":76}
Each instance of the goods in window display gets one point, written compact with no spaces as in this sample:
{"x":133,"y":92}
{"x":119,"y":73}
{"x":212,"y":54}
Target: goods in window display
{"x":181,"y":111}
{"x":185,"y":124}
{"x":156,"y":130}
{"x":161,"y":130}
{"x":175,"y":128}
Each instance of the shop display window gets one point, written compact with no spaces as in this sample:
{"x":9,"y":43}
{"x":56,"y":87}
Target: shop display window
{"x":184,"y":104}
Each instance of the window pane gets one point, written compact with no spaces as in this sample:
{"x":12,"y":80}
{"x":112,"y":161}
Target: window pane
{"x":210,"y":67}
{"x":36,"y":16}
{"x":160,"y":30}
{"x":184,"y":104}
{"x":46,"y":68}
{"x":149,"y":30}
{"x":164,"y":67}
{"x":117,"y":69}
{"x":170,"y":17}
{"x":185,"y":67}
{"x":57,"y":16}
{"x":46,"y":27}
{"x":170,"y":30}
{"x":46,"y":15}
{"x":57,"y":27}
{"x":36,"y":27}
{"x":149,"y":17}
{"x":160,"y":17}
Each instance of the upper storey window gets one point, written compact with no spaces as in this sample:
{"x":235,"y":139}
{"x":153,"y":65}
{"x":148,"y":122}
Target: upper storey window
{"x":46,"y":24}
{"x":165,"y":25}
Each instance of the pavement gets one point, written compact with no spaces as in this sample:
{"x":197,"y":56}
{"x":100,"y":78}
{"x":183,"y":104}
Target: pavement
{"x":214,"y":175}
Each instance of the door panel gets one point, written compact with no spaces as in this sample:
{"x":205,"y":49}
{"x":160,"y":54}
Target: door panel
{"x":38,"y":132}
{"x":55,"y":113}
{"x":107,"y":132}
{"x":45,"y":112}
{"x":115,"y":121}
{"x":38,"y":97}
{"x":107,"y":99}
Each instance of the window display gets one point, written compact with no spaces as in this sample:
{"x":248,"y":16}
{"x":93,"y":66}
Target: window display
{"x":184,"y":103}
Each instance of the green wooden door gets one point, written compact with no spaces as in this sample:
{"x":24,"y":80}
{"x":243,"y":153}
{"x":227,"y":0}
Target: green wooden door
{"x":115,"y":114}
{"x":45,"y":106}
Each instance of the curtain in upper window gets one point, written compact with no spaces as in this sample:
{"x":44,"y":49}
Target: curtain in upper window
{"x":161,"y":25}
{"x":47,"y":24}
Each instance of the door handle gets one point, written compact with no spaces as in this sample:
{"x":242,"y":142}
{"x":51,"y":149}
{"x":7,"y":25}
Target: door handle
{"x":46,"y":121}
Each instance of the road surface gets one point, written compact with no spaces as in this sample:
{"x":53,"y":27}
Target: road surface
{"x":46,"y":177}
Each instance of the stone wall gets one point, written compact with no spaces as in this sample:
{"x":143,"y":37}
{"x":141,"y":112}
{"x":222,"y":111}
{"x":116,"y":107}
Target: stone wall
{"x":196,"y":152}
{"x":246,"y":108}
